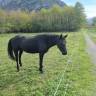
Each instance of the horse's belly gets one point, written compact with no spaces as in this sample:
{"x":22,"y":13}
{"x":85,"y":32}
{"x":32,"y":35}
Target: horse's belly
{"x":29,"y":48}
{"x":33,"y":50}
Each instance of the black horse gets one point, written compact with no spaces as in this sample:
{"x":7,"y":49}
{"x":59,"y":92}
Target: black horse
{"x":38,"y":44}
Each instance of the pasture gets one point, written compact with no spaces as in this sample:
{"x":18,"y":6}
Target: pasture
{"x":76,"y":71}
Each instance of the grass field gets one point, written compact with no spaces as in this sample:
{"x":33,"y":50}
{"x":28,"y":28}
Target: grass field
{"x":78,"y":78}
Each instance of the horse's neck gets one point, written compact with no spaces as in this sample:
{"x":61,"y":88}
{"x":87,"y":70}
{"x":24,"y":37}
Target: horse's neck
{"x":52,"y":41}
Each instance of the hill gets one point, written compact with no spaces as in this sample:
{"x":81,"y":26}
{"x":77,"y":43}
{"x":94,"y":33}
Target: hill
{"x":29,"y":4}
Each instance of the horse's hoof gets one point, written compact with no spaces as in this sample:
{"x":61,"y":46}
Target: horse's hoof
{"x":17,"y":70}
{"x":20,"y":65}
{"x":41,"y":72}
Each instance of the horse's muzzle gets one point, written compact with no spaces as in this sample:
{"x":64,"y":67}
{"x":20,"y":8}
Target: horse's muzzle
{"x":64,"y":53}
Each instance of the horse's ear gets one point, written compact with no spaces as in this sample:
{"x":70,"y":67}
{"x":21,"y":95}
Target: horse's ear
{"x":65,"y":35}
{"x":61,"y":36}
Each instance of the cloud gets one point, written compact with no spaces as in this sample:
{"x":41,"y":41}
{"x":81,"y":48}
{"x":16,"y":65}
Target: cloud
{"x":90,"y":10}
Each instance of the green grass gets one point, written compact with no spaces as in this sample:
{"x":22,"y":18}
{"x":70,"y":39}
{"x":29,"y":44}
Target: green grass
{"x":80,"y":75}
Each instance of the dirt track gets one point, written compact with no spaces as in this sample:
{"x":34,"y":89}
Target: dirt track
{"x":91,"y":48}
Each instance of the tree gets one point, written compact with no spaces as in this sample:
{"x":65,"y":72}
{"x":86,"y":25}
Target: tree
{"x":94,"y":21}
{"x":80,"y":15}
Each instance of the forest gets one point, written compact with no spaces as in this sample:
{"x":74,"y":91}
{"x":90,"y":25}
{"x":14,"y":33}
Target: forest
{"x":56,"y":18}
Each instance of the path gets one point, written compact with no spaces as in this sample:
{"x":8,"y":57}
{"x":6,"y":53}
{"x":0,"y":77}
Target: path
{"x":91,"y":48}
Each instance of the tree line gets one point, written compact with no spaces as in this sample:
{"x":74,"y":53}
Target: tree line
{"x":67,"y":18}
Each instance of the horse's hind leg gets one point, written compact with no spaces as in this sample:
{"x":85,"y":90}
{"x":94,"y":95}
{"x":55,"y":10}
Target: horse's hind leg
{"x":20,"y":54}
{"x":16,"y":55}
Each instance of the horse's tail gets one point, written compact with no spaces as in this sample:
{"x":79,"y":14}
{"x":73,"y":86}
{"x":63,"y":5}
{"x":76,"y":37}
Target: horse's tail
{"x":10,"y":50}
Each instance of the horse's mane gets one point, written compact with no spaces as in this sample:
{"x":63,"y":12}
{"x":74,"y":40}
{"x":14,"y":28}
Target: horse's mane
{"x":46,"y":35}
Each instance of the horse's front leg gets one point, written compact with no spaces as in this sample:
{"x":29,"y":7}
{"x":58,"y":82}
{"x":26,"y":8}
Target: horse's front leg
{"x":16,"y":55}
{"x":41,"y":55}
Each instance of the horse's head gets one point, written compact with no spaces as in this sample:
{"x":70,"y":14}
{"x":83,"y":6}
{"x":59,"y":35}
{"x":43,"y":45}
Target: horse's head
{"x":61,"y":44}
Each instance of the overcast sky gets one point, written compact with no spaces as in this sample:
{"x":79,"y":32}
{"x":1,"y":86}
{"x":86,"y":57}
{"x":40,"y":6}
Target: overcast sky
{"x":89,"y":5}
